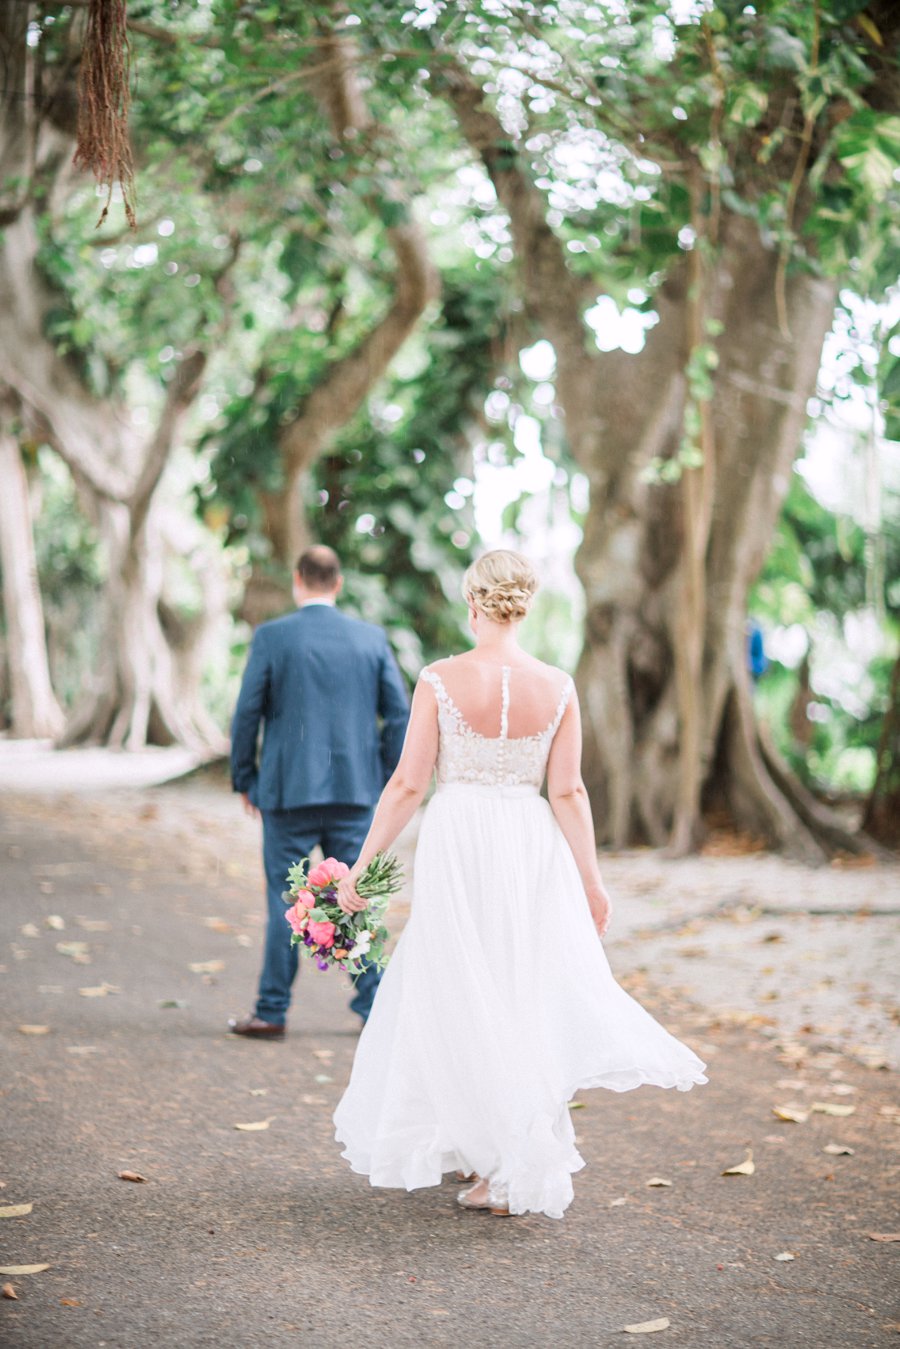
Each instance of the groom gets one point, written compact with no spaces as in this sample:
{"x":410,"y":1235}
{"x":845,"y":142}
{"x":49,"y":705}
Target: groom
{"x":334,"y":708}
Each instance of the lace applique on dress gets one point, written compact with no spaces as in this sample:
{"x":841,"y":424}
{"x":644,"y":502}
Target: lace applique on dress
{"x":466,"y":756}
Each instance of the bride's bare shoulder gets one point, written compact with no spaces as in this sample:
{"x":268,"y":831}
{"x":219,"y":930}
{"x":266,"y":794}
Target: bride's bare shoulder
{"x":445,"y":663}
{"x":551,"y":674}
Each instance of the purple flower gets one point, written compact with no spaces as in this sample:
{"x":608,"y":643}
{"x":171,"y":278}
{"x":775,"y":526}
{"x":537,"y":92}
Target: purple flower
{"x":322,"y":964}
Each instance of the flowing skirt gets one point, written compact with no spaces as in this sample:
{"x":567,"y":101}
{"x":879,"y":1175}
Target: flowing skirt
{"x":497,"y":1005}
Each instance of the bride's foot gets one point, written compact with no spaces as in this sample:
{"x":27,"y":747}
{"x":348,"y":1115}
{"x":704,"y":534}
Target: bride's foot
{"x":479,"y":1196}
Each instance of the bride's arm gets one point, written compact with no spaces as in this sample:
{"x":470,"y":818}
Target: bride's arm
{"x":403,"y":793}
{"x":570,"y":804}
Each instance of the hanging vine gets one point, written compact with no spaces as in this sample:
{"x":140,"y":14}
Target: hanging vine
{"x":104,"y":99}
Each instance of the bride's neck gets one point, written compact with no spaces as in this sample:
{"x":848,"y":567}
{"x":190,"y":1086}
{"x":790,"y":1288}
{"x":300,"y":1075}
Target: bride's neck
{"x":497,"y":642}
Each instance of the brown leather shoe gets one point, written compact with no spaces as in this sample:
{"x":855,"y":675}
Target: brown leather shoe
{"x":256,"y":1029}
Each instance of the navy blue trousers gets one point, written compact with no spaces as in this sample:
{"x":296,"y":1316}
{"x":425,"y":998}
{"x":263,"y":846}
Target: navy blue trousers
{"x":289,"y":835}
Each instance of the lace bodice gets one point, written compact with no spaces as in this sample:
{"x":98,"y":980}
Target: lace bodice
{"x":498,"y":761}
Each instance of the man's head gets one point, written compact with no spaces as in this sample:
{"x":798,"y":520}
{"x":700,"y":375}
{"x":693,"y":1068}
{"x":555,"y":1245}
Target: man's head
{"x":317,"y":574}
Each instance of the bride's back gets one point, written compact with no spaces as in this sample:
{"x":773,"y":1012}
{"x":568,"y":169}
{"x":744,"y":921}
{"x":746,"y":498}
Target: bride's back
{"x":475,"y":687}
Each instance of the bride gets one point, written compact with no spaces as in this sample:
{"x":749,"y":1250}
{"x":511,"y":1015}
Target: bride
{"x":498,"y":1003}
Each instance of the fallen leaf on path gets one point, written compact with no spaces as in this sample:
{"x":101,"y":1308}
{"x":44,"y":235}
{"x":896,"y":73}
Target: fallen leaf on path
{"x":323,"y":1054}
{"x":8,"y":1291}
{"x":206,"y":966}
{"x":35,"y":1030}
{"x":173,"y":1002}
{"x":132,"y":1175}
{"x":617,"y":1203}
{"x":259,"y":1091}
{"x":69,"y":1302}
{"x":79,"y":951}
{"x":255,"y":1126}
{"x":218,"y":925}
{"x":23,"y":1269}
{"x":15,"y":1210}
{"x":55,"y":922}
{"x":830,"y":1108}
{"x":313,"y":1100}
{"x":883,"y":1236}
{"x":30,"y":930}
{"x":648,"y":1327}
{"x":658,"y":1183}
{"x":843,"y":1089}
{"x":838,"y":1150}
{"x":745,"y":1168}
{"x":790,"y":1113}
{"x":576,"y":1105}
{"x":98,"y":991}
{"x":785,"y":1256}
{"x":322,"y":1077}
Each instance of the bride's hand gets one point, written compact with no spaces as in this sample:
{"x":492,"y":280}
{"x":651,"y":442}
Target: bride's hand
{"x":601,"y":910}
{"x":348,"y":900}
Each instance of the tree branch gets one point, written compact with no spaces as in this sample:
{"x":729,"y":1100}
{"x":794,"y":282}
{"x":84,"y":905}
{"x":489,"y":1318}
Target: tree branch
{"x":180,"y":393}
{"x":349,"y":379}
{"x":552,"y":293}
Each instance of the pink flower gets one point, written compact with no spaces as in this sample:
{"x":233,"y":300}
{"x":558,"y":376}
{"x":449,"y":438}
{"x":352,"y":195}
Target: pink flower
{"x":298,"y":918}
{"x":322,"y":933}
{"x":326,"y":872}
{"x":305,"y":899}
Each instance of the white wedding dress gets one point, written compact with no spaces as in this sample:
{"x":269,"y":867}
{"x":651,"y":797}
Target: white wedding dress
{"x":498,"y":1003}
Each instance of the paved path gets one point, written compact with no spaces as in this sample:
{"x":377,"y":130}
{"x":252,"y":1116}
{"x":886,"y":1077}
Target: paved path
{"x":264,"y":1238}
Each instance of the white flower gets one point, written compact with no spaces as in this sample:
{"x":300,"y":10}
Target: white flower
{"x":363,"y":942}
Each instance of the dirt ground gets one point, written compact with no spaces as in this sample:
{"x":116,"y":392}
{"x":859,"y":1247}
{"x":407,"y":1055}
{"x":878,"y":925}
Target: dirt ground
{"x":131,"y":921}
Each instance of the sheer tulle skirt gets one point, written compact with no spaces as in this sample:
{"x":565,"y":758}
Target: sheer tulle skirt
{"x":497,"y":1005}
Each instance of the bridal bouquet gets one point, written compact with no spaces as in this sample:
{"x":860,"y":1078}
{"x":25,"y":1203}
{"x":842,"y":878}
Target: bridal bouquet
{"x":353,"y":941}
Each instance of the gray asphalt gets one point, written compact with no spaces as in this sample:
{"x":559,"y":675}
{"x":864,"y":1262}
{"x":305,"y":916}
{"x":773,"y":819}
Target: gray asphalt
{"x":244,"y":1239}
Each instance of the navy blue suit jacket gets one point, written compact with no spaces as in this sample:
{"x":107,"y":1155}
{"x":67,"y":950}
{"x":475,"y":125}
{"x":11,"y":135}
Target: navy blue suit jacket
{"x":333,"y":707}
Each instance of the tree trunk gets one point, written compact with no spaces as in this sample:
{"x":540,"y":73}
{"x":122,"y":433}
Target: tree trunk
{"x":146,"y":681}
{"x":882,"y":816}
{"x":636,"y":614}
{"x":35,"y":711}
{"x":652,"y":758}
{"x":145,"y":687}
{"x":138,"y":691}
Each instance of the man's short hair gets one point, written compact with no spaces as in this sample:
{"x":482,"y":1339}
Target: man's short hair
{"x":319,"y":567}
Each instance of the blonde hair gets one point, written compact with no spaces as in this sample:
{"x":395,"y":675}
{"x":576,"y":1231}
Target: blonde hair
{"x":500,"y":585}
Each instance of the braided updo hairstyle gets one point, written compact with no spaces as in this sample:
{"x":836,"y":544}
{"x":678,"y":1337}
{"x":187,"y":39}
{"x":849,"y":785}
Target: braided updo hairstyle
{"x":500,"y":585}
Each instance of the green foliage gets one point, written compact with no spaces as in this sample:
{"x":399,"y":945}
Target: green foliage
{"x":817,"y":578}
{"x":642,"y":133}
{"x":379,"y":497}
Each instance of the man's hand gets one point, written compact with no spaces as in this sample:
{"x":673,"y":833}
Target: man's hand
{"x":249,"y":808}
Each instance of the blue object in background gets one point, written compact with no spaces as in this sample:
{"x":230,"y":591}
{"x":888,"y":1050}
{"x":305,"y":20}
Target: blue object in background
{"x":757,"y":660}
